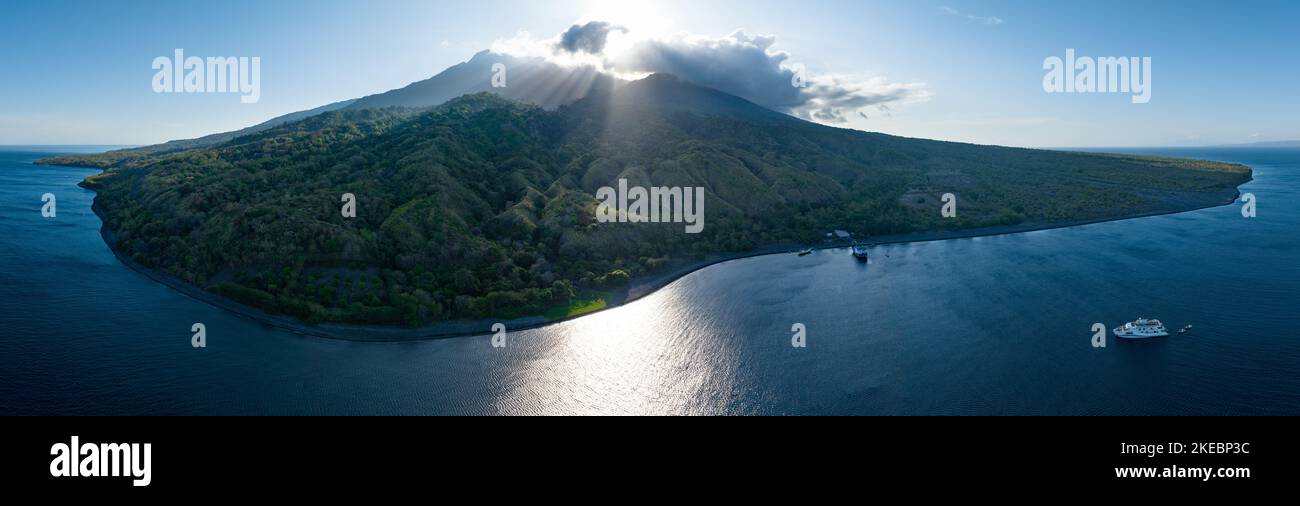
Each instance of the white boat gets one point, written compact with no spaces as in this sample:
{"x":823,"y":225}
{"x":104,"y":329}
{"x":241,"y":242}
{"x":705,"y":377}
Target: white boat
{"x":1142,"y":328}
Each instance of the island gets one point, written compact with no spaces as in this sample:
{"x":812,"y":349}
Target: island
{"x":483,"y":209}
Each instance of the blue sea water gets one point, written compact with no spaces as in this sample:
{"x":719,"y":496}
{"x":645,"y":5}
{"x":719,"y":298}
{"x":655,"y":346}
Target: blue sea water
{"x":993,"y":325}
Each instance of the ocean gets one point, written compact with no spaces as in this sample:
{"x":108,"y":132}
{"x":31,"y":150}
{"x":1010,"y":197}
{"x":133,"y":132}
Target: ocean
{"x":997,"y":325}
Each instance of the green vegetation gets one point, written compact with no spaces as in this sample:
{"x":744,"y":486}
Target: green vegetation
{"x":484,"y":208}
{"x":579,"y":306}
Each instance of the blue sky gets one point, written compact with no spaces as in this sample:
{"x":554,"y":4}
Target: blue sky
{"x":79,"y":72}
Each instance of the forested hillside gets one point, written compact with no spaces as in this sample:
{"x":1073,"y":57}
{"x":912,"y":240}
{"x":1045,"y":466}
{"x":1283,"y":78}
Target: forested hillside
{"x":484,"y":207}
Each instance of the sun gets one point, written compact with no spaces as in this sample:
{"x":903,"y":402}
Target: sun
{"x":643,"y":20}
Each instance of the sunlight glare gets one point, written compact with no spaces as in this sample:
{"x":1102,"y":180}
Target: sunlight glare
{"x":643,"y":20}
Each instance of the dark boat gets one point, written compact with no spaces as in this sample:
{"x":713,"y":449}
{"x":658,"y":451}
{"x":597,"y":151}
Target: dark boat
{"x":860,"y":251}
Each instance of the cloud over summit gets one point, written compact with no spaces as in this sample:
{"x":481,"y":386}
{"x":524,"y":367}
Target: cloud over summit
{"x":744,"y":65}
{"x":588,"y":38}
{"x":737,"y":64}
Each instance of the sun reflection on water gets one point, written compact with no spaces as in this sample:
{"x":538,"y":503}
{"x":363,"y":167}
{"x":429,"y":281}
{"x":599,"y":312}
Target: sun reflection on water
{"x":647,"y":357}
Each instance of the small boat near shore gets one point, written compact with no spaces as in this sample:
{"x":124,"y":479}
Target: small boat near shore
{"x":805,"y":252}
{"x":860,"y":252}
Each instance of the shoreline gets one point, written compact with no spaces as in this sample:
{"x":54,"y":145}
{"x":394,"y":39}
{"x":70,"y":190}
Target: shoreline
{"x":635,"y":289}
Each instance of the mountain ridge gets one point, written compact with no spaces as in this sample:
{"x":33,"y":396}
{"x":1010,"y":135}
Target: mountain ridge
{"x":484,"y":207}
{"x":526,"y":79}
{"x":468,"y":77}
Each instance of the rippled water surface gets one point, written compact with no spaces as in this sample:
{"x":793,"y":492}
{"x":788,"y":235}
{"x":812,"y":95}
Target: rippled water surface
{"x":994,"y":325}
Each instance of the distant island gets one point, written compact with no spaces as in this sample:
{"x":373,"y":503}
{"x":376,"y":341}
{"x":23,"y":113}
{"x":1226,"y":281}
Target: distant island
{"x":483,"y":207}
{"x":1265,"y":144}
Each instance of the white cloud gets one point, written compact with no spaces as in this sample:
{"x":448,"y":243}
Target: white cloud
{"x":748,"y":67}
{"x":832,"y":99}
{"x":740,"y":64}
{"x":988,"y":20}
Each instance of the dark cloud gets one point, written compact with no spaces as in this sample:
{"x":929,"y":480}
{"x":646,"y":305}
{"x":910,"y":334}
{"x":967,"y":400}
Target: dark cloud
{"x":747,"y":67}
{"x":737,"y":64}
{"x":740,"y":64}
{"x":589,"y":38}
